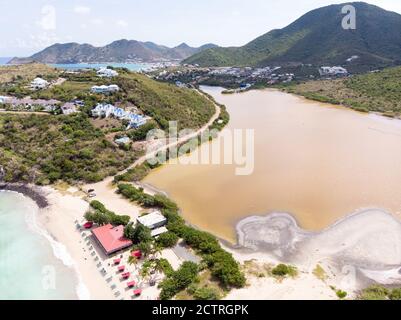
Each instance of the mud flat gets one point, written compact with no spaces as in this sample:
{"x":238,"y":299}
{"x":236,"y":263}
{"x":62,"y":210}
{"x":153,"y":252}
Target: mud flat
{"x":366,"y":244}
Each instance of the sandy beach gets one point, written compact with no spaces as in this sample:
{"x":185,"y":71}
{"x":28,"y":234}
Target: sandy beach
{"x":358,"y":250}
{"x":59,"y":220}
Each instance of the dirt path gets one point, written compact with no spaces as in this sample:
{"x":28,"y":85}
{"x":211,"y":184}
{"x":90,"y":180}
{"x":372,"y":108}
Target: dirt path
{"x":105,"y":191}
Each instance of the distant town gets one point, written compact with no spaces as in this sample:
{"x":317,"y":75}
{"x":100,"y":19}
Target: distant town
{"x":237,"y":79}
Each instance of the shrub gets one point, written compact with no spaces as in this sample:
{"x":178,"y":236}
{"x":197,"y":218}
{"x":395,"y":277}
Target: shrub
{"x":100,"y":215}
{"x":178,"y":280}
{"x":167,"y":240}
{"x":341,"y":294}
{"x":374,"y":293}
{"x":226,"y":269}
{"x":395,"y":294}
{"x":283,"y":270}
{"x":165,"y":266}
{"x":138,"y":234}
{"x":204,"y":293}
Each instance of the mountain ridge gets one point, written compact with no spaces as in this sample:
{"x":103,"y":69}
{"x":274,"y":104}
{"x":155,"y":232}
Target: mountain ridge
{"x":318,"y":38}
{"x":118,"y":51}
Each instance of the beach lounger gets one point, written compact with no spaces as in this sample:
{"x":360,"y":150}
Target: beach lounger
{"x":126,"y":275}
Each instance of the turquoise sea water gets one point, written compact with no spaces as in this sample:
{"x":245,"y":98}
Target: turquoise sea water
{"x":29,"y":268}
{"x":129,"y":66}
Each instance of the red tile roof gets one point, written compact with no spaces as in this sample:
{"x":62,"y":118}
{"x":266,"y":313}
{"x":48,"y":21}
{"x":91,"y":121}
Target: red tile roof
{"x":111,"y":238}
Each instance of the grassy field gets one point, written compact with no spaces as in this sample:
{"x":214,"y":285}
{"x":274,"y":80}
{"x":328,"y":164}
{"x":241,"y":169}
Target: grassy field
{"x":374,"y":92}
{"x":26,"y":72}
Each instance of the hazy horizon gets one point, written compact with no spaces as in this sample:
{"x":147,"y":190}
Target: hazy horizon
{"x":34,"y":25}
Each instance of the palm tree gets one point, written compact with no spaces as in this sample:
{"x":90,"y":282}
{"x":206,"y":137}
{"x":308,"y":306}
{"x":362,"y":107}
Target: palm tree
{"x":133,"y":261}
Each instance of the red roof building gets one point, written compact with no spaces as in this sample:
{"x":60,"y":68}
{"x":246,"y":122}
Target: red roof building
{"x":111,"y":239}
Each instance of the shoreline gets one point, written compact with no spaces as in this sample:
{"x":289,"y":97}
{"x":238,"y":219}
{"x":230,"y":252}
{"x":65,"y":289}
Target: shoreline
{"x":27,"y":190}
{"x":288,"y":242}
{"x":65,"y":241}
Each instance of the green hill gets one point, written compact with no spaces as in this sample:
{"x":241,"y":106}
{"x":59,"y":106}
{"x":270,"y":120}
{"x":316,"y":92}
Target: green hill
{"x":44,"y":148}
{"x":318,"y":38}
{"x":373,"y":92}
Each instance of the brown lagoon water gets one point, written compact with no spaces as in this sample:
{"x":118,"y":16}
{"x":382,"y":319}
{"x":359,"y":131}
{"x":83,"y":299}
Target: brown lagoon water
{"x":315,"y":161}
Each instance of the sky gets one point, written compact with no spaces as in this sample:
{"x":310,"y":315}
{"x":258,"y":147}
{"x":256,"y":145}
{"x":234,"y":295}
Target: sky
{"x":28,"y":26}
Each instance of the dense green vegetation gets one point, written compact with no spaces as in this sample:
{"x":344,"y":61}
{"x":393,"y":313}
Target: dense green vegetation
{"x":178,"y":280}
{"x":377,"y":292}
{"x":101,"y":216}
{"x":317,"y":39}
{"x":44,"y":149}
{"x":135,"y":174}
{"x":221,"y":263}
{"x":373,"y":92}
{"x":167,"y":240}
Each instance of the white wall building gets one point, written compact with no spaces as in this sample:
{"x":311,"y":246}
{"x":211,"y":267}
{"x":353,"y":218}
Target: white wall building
{"x":4,"y":99}
{"x":105,"y":89}
{"x":39,"y":83}
{"x":333,"y":71}
{"x":107,"y":73}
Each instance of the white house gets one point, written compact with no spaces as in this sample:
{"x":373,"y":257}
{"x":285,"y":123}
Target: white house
{"x":153,"y":220}
{"x":107,"y":73}
{"x":107,"y":110}
{"x":69,"y":108}
{"x":105,"y":89}
{"x":39,"y":83}
{"x":4,"y":99}
{"x":333,"y":71}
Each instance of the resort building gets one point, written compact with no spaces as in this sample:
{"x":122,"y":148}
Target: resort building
{"x":39,"y":83}
{"x":69,"y":108}
{"x":111,"y":239}
{"x":105,"y":89}
{"x":108,"y":110}
{"x":155,"y":221}
{"x":107,"y":73}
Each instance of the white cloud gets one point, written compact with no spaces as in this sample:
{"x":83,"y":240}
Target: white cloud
{"x":122,"y":23}
{"x":97,"y":21}
{"x":82,"y":9}
{"x":48,"y":20}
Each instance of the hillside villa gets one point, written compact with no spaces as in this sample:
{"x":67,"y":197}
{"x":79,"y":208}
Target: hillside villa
{"x":107,"y":73}
{"x":333,"y":71}
{"x":108,"y":110}
{"x":105,"y":89}
{"x":39,"y":83}
{"x":69,"y":108}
